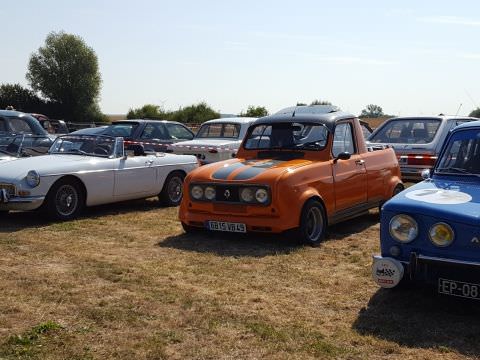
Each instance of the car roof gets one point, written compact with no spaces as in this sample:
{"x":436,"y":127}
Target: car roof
{"x":145,"y":121}
{"x":239,"y":120}
{"x":428,"y":117}
{"x":475,"y":123}
{"x":329,"y":119}
{"x":12,"y":113}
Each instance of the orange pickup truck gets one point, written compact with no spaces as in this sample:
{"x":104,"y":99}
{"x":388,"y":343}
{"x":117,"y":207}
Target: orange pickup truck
{"x":294,"y":173}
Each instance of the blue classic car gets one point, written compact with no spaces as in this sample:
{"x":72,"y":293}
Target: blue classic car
{"x":431,"y":232}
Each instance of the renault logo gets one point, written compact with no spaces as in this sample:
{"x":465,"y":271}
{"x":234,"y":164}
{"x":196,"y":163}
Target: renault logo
{"x":475,"y":241}
{"x":226,"y":194}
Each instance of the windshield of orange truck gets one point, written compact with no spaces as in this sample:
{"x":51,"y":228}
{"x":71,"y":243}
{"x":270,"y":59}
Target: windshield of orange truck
{"x":291,"y":136}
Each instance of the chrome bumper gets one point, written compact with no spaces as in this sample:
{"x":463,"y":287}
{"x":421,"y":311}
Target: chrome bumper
{"x":21,"y":203}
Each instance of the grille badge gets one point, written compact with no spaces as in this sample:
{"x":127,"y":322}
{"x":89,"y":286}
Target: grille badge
{"x":475,"y":241}
{"x":226,"y":194}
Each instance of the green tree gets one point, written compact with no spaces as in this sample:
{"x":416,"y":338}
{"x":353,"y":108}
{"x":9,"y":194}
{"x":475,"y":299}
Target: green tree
{"x":20,"y":98}
{"x":320,"y":102}
{"x":65,"y":71}
{"x":147,"y":111}
{"x":301,"y":104}
{"x":197,"y":113}
{"x":475,"y":113}
{"x":372,"y":111}
{"x":255,"y":111}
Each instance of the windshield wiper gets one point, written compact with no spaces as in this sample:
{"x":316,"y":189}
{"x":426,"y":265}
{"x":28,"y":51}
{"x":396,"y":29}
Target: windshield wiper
{"x":457,"y":169}
{"x":312,"y":144}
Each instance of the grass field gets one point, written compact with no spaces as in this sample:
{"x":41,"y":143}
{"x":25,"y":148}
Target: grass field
{"x":124,"y":282}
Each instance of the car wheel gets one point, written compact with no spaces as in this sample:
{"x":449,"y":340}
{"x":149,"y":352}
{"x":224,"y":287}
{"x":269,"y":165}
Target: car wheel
{"x":398,"y":189}
{"x":172,"y":191}
{"x":65,"y":200}
{"x":312,"y":224}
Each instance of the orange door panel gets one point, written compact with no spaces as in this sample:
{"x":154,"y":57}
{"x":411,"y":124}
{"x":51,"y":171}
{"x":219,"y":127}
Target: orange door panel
{"x":350,"y":181}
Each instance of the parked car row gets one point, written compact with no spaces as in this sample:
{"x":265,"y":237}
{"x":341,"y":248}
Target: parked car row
{"x":294,"y":173}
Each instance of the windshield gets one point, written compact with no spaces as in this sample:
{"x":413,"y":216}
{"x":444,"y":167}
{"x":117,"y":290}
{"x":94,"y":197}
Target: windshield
{"x":407,"y":131}
{"x":99,"y":145}
{"x":462,"y":155}
{"x":219,"y":130}
{"x":293,"y":136}
{"x":27,"y":145}
{"x":120,"y":130}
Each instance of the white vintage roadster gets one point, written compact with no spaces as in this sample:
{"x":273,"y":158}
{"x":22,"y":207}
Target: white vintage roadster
{"x":86,"y":170}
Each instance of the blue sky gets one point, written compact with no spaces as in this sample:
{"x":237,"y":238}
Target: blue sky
{"x":410,"y":57}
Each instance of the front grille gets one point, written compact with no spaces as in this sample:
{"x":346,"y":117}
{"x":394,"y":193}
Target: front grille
{"x":226,"y":193}
{"x":9,"y":187}
{"x":227,"y":208}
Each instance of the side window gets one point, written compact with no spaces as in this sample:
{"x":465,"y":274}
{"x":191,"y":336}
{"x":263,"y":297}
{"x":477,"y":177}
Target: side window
{"x":366,"y":131}
{"x":153,"y":131}
{"x":178,"y":132}
{"x":231,"y":130}
{"x":3,"y":126}
{"x":343,"y":139}
{"x":20,"y":126}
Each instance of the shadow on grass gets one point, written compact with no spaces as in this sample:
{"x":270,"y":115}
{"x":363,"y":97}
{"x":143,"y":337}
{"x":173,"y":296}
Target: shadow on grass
{"x":258,"y":244}
{"x":229,"y":244}
{"x":19,"y":220}
{"x":417,"y":317}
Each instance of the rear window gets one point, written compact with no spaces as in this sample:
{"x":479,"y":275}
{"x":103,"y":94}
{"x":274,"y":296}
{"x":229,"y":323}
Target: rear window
{"x":121,"y":129}
{"x":407,"y":131}
{"x":219,"y":130}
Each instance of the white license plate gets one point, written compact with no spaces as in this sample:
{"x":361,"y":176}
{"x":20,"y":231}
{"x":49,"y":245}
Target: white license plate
{"x":226,"y":226}
{"x":459,"y":288}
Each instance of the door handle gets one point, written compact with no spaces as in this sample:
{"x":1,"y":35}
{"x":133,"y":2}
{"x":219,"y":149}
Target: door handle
{"x":149,"y":162}
{"x":360,"y":162}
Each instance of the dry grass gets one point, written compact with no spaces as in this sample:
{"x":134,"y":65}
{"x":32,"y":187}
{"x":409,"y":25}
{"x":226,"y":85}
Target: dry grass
{"x":126,"y":283}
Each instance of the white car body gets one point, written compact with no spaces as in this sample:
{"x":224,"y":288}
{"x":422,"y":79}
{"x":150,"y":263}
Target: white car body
{"x":105,"y":179}
{"x":213,"y":149}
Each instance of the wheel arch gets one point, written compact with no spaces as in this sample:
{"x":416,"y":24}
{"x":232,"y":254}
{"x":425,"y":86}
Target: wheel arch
{"x":75,"y":179}
{"x":313,"y":196}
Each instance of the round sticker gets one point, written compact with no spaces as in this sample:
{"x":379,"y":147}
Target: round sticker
{"x":439,"y":196}
{"x":387,"y":272}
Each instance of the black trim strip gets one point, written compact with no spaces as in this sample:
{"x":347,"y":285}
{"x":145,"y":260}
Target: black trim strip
{"x":224,"y":172}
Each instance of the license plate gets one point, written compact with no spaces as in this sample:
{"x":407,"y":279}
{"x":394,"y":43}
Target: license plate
{"x":226,"y":226}
{"x":459,"y":288}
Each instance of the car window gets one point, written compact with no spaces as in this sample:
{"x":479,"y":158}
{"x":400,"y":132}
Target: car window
{"x":366,"y":131}
{"x":123,"y":130}
{"x":219,"y":130}
{"x":20,"y":126}
{"x":3,"y":126}
{"x":343,"y":139}
{"x":407,"y":131}
{"x":296,"y":136}
{"x":462,"y":154}
{"x":154,"y":131}
{"x":177,"y":131}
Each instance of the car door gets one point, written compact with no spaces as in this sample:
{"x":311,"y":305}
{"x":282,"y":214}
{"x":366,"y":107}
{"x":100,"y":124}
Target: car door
{"x":349,"y":176}
{"x":135,"y":176}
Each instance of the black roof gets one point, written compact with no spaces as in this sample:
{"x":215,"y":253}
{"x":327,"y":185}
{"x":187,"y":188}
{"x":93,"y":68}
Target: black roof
{"x":329,"y":120}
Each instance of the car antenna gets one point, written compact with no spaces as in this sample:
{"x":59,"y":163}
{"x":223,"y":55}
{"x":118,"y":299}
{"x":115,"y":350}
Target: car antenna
{"x":293,"y":114}
{"x":458,"y":109}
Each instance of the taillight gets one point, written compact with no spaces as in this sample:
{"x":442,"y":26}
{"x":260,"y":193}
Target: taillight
{"x":419,"y":160}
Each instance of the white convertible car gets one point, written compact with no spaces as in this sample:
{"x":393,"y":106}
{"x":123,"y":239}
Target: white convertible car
{"x":86,"y":170}
{"x":216,"y":140}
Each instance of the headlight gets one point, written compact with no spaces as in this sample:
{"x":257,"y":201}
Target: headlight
{"x":209,"y":193}
{"x":261,"y":195}
{"x":33,"y":179}
{"x":247,"y":194}
{"x":441,"y":234}
{"x":196,"y":192}
{"x":403,"y":228}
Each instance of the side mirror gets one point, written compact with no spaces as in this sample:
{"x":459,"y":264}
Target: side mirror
{"x":138,"y":149}
{"x":119,"y":151}
{"x":343,"y":156}
{"x":426,"y":174}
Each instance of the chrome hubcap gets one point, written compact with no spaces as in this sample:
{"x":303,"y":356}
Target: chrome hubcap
{"x":66,"y":200}
{"x":175,"y":189}
{"x":314,"y":224}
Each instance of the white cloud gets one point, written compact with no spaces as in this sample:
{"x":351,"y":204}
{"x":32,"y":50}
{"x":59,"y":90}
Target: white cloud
{"x":452,"y":20}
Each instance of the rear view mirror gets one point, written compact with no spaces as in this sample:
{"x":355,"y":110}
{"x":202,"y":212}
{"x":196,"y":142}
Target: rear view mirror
{"x":426,"y":174}
{"x":343,"y":156}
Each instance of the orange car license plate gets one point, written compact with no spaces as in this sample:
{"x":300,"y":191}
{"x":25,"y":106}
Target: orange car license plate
{"x":226,"y":226}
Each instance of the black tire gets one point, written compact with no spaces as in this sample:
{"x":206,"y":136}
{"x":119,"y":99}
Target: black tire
{"x":172,"y":191}
{"x":65,"y":200}
{"x":398,"y":189}
{"x":3,"y":212}
{"x":313,"y":224}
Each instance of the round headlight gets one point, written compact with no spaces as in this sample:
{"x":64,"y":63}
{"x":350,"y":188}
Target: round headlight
{"x":197,"y":192}
{"x":247,"y":195}
{"x":261,"y":195}
{"x":441,"y":234}
{"x":209,"y":193}
{"x":403,"y":228}
{"x":33,"y":179}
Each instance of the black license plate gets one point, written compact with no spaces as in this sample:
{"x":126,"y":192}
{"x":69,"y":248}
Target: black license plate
{"x":459,"y":288}
{"x":227,"y":226}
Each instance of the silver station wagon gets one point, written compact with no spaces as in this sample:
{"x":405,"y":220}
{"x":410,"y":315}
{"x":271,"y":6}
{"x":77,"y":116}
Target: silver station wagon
{"x":417,"y":140}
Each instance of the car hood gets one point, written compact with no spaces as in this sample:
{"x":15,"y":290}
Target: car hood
{"x":447,"y":200}
{"x":47,"y":165}
{"x":206,"y":142}
{"x":259,"y":171}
